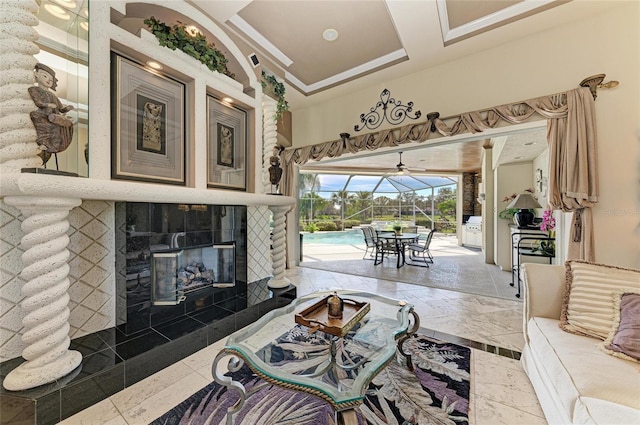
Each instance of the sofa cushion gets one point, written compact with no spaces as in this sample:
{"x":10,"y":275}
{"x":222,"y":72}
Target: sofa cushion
{"x":588,"y":301}
{"x":624,"y":338}
{"x":595,"y":411}
{"x":575,"y":368}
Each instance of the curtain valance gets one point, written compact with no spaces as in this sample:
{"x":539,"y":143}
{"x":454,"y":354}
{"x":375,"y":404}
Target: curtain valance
{"x":571,"y":134}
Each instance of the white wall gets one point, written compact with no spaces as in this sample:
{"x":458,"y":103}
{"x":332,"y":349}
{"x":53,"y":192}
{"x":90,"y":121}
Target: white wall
{"x":508,"y":179}
{"x":545,"y":63}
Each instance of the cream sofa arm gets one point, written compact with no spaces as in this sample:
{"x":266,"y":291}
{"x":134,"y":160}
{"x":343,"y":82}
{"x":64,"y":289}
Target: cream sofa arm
{"x":544,"y":287}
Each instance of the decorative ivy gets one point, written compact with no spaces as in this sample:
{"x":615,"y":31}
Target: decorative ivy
{"x":278,"y":90}
{"x":195,"y":45}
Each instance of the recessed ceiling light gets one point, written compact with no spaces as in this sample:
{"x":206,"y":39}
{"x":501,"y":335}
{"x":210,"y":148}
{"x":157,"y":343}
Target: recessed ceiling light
{"x":154,"y":65}
{"x":192,"y":30}
{"x":57,"y":11}
{"x":84,"y":25}
{"x":517,"y":157}
{"x":227,"y":100}
{"x":69,"y":4}
{"x":86,"y":12}
{"x":330,"y":34}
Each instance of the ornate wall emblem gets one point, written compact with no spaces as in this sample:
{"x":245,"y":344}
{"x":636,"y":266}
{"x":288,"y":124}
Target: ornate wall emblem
{"x":392,"y":111}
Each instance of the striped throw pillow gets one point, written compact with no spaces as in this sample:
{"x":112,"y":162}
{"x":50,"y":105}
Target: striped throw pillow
{"x":587,"y":307}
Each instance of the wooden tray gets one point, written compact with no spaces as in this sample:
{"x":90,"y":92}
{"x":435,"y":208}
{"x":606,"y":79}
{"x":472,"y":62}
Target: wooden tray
{"x":316,"y":316}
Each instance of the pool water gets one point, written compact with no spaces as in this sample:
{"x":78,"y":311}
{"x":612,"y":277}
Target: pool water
{"x":348,"y":237}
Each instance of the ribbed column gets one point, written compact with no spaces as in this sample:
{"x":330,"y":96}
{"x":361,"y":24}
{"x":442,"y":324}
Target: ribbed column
{"x":46,"y":320}
{"x":18,"y":147}
{"x":269,"y":138}
{"x":279,"y":249}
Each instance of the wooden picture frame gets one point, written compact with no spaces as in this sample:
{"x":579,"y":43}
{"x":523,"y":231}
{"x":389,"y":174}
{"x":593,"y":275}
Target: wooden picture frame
{"x":227,"y":145}
{"x":148,"y":124}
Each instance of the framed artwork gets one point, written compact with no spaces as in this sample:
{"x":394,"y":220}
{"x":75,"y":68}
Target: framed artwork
{"x":539,"y":181}
{"x":227,"y":145}
{"x":226,"y":142}
{"x":148,"y":124}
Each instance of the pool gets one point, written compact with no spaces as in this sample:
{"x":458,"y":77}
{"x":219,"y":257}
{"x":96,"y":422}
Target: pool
{"x":348,"y":237}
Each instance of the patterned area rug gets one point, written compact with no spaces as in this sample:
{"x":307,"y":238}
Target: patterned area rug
{"x":437,"y":392}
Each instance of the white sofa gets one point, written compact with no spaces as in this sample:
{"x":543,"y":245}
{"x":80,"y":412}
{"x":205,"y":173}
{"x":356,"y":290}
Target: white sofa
{"x":576,"y":383}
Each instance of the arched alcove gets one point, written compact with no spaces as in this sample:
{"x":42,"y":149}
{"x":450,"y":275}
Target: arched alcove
{"x":133,"y":21}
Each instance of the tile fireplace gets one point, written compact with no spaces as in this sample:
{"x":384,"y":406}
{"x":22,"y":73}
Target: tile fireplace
{"x":156,"y":327}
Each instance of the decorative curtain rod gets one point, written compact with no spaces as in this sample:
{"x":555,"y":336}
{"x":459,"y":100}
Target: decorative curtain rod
{"x":595,"y":82}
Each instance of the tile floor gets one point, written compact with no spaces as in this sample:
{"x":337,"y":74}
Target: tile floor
{"x":457,"y":268}
{"x":501,"y":392}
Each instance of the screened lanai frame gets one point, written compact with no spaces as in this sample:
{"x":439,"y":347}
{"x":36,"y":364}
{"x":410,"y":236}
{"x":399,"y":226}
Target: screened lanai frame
{"x":333,"y":187}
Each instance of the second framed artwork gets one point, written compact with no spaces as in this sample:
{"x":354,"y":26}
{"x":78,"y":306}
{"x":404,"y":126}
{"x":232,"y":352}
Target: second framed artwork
{"x":227,"y":145}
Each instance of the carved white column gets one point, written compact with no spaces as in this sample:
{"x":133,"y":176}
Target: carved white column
{"x":18,"y":147}
{"x":46,"y":320}
{"x":269,"y":138}
{"x":279,"y":249}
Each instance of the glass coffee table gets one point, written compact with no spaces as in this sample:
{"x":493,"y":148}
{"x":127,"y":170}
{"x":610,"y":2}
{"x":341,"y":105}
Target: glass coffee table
{"x":336,"y":368}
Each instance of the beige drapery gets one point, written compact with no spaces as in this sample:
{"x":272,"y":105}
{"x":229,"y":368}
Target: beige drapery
{"x":573,"y":169}
{"x":571,"y":134}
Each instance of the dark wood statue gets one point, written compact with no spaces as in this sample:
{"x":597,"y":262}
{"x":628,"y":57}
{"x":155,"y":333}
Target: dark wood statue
{"x":275,"y":172}
{"x":53,"y":127}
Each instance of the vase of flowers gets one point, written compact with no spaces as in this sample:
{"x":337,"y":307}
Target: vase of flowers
{"x":548,"y":225}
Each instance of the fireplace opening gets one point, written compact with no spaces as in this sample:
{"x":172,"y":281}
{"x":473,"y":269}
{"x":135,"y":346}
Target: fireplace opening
{"x":175,"y":273}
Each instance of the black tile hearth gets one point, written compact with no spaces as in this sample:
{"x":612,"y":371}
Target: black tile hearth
{"x":90,"y":388}
{"x":140,"y":344}
{"x":16,"y":410}
{"x":219,"y":329}
{"x":113,"y":360}
{"x":181,"y":327}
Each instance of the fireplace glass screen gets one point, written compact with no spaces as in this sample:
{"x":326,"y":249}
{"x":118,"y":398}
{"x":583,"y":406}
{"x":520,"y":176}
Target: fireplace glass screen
{"x":175,"y":273}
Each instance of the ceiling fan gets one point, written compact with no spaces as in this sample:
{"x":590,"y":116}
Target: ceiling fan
{"x":402,"y":169}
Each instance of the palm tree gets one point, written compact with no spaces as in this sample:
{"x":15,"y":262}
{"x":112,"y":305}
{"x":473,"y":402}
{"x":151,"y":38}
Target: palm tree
{"x":386,"y":206}
{"x":310,"y":203}
{"x":308,"y":183}
{"x":362,"y":201}
{"x":342,"y":196}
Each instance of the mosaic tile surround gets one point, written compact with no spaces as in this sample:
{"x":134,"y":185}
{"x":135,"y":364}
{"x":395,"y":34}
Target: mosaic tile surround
{"x":92,"y":284}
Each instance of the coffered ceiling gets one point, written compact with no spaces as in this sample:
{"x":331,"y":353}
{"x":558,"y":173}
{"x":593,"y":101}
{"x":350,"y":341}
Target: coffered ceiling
{"x":363,"y":36}
{"x":377,"y":41}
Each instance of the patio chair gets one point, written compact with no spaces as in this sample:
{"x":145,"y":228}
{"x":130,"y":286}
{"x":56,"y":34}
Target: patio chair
{"x":386,"y":244}
{"x":419,"y":251}
{"x":369,"y":240}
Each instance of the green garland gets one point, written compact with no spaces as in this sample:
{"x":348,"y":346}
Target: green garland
{"x":278,"y":91}
{"x":196,"y":46}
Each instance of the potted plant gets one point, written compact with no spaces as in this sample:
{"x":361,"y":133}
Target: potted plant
{"x":192,"y":43}
{"x":548,"y":225}
{"x":397,"y":228}
{"x":274,"y":88}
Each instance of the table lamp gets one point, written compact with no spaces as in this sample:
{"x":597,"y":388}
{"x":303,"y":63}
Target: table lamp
{"x":524,"y":202}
